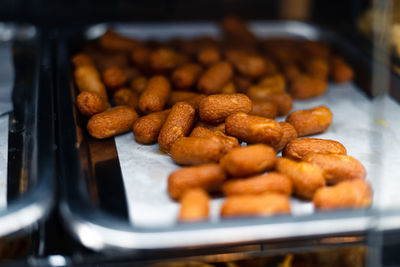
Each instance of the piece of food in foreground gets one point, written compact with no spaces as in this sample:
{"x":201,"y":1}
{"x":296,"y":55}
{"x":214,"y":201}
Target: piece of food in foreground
{"x":196,"y":150}
{"x":311,"y":121}
{"x":209,"y":177}
{"x":228,"y":142}
{"x":298,"y":148}
{"x":272,"y":182}
{"x":178,"y":124}
{"x":194,"y":205}
{"x":147,"y":128}
{"x":337,"y":168}
{"x":289,"y":133}
{"x":266,"y":204}
{"x":306,"y":178}
{"x":112,"y":122}
{"x":249,"y":160}
{"x":253,"y":129}
{"x":155,"y":96}
{"x":348,"y":194}
{"x":90,"y":103}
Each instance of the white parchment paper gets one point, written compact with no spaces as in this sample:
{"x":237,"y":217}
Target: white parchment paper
{"x":370,"y":131}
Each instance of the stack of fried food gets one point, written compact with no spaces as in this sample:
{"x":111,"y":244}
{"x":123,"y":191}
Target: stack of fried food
{"x":201,"y":98}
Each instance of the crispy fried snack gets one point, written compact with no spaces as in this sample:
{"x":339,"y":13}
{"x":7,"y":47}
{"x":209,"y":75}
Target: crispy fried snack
{"x":87,"y":78}
{"x":194,"y":205}
{"x":283,"y":101}
{"x":90,"y":103}
{"x":213,"y":127}
{"x":155,"y":96}
{"x":216,"y":108}
{"x":112,"y":122}
{"x":341,"y":71}
{"x":311,"y":121}
{"x":228,"y":142}
{"x":250,"y":160}
{"x":272,"y":182}
{"x":337,"y":167}
{"x":229,"y":88}
{"x":139,"y":84}
{"x":178,"y":124}
{"x":209,"y":177}
{"x":318,"y":68}
{"x":266,"y":204}
{"x":184,"y":77}
{"x":306,"y":178}
{"x":213,"y":79}
{"x":289,"y":134}
{"x":241,"y":83}
{"x":275,"y":83}
{"x":253,"y":129}
{"x":345,"y":195}
{"x":179,"y":96}
{"x":164,"y":60}
{"x":303,"y":87}
{"x":208,"y":56}
{"x":298,"y":148}
{"x":264,"y":109}
{"x":196,"y":150}
{"x":147,"y":128}
{"x":125,"y":97}
{"x":114,"y":78}
{"x":115,"y":42}
{"x":141,"y":58}
{"x":248,"y":65}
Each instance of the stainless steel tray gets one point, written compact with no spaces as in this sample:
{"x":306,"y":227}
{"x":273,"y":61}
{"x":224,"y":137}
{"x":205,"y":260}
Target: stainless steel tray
{"x":95,"y":206}
{"x":31,"y":161}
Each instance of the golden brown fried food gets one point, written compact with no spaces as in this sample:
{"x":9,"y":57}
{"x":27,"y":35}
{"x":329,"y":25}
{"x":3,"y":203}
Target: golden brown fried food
{"x":264,"y":109}
{"x":298,"y":148}
{"x":196,"y":150}
{"x":87,"y":78}
{"x":141,"y":58}
{"x":114,"y":78}
{"x":275,"y":83}
{"x":147,"y":128}
{"x":179,"y":96}
{"x":304,"y":86}
{"x":115,"y":42}
{"x":272,"y":182}
{"x":155,"y":96}
{"x":229,"y":88}
{"x":213,"y":127}
{"x":345,"y":195}
{"x":306,"y":178}
{"x":164,"y":59}
{"x":125,"y":97}
{"x":266,"y":204}
{"x":249,"y":160}
{"x":208,"y":56}
{"x":139,"y":83}
{"x":253,"y":129}
{"x":318,"y":68}
{"x":112,"y":122}
{"x":209,"y":177}
{"x":90,"y":103}
{"x":248,"y":65}
{"x":184,"y":77}
{"x":228,"y":142}
{"x":81,"y":59}
{"x":241,"y":83}
{"x":194,"y":205}
{"x":283,"y":101}
{"x":178,"y":124}
{"x":337,"y":167}
{"x":311,"y":121}
{"x":216,"y":108}
{"x":195,"y":101}
{"x":289,"y":134}
{"x":213,"y":79}
{"x":341,"y":71}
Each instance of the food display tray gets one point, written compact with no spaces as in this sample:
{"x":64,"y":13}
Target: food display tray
{"x":114,"y":191}
{"x":26,"y":101}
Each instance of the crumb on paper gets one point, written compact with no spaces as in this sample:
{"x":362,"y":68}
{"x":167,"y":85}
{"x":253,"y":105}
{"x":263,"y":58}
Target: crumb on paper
{"x":382,"y":122}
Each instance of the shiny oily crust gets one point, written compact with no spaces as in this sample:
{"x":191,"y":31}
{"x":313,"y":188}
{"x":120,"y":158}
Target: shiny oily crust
{"x":337,"y":167}
{"x":289,"y":134}
{"x":249,"y":160}
{"x":298,"y":148}
{"x":147,"y":128}
{"x":194,"y":206}
{"x":266,"y":204}
{"x":155,"y":96}
{"x":90,"y":103}
{"x":209,"y":177}
{"x":311,"y":121}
